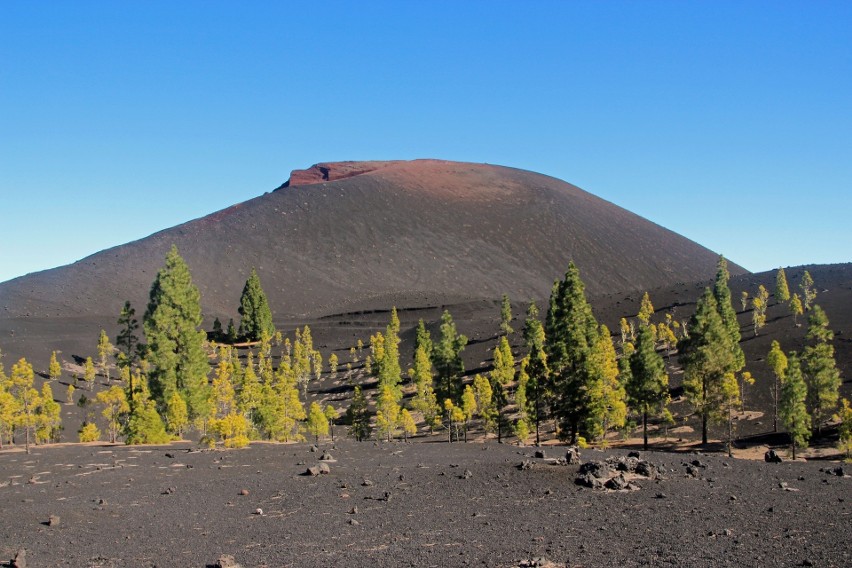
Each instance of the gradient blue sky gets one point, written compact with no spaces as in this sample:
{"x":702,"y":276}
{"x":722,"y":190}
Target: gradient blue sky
{"x":728,"y":122}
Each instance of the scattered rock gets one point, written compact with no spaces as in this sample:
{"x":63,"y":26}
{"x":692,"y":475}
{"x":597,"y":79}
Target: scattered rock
{"x":596,"y":469}
{"x":617,"y":483}
{"x":169,"y":455}
{"x":572,"y":456}
{"x":353,"y":511}
{"x":326,"y":457}
{"x":647,"y":469}
{"x":692,"y":471}
{"x":312,"y":471}
{"x":772,"y":457}
{"x":313,"y":449}
{"x":466,"y":475}
{"x":168,"y":491}
{"x":227,"y":561}
{"x":244,"y":492}
{"x":589,"y":480}
{"x":540,"y":562}
{"x":353,"y":522}
{"x":20,"y":560}
{"x":367,"y":483}
{"x":728,"y":532}
{"x":699,"y":463}
{"x":323,"y":468}
{"x":539,"y":454}
{"x":53,"y":520}
{"x":633,"y":454}
{"x":525,"y":465}
{"x":660,"y":496}
{"x":258,"y":512}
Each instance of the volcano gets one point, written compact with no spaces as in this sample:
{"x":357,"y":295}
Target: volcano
{"x":340,"y":236}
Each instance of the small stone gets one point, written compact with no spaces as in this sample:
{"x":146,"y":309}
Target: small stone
{"x":617,"y":483}
{"x":525,"y":465}
{"x":323,"y":468}
{"x":572,"y":456}
{"x":326,"y":457}
{"x":168,"y":491}
{"x":313,"y":449}
{"x":772,"y":456}
{"x":227,"y":561}
{"x":733,"y":497}
{"x":20,"y":560}
{"x":728,"y":532}
{"x":53,"y":520}
{"x":168,"y":455}
{"x":312,"y":471}
{"x":353,"y":511}
{"x":692,"y":471}
{"x":258,"y":511}
{"x":244,"y":492}
{"x":466,"y":475}
{"x":539,"y":454}
{"x":660,"y":496}
{"x":367,"y":483}
{"x":353,"y":522}
{"x":807,"y":562}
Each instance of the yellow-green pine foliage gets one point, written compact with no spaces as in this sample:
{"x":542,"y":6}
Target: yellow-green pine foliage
{"x":332,"y":366}
{"x":782,"y":290}
{"x":485,"y":402}
{"x":819,"y":368}
{"x":625,"y":330}
{"x":54,"y":369}
{"x":27,"y":398}
{"x":425,"y":401}
{"x":89,"y":372}
{"x":606,"y":391}
{"x":8,"y":408}
{"x":224,"y":397}
{"x":522,"y":431}
{"x":331,"y":414}
{"x":69,"y":394}
{"x":144,"y":425}
{"x":809,"y":293}
{"x":707,"y":356}
{"x":406,"y":422}
{"x":280,"y":410}
{"x":760,"y":302}
{"x":105,"y":350}
{"x":387,"y":412}
{"x":504,"y":363}
{"x":232,"y":429}
{"x":777,"y":361}
{"x":177,"y":415}
{"x":796,"y":308}
{"x":505,"y":315}
{"x":317,"y":421}
{"x":646,"y":309}
{"x":844,"y":429}
{"x":744,"y":299}
{"x":49,"y":421}
{"x":792,"y":407}
{"x":730,"y":400}
{"x":176,"y":341}
{"x":468,"y":405}
{"x":115,"y":405}
{"x":89,"y":432}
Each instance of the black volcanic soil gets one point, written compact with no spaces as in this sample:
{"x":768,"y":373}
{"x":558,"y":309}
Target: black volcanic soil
{"x":123,"y":506}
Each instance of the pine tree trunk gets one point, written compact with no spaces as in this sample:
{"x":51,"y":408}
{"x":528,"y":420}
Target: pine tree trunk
{"x":537,"y":420}
{"x":775,"y":408}
{"x":704,"y":428}
{"x":645,"y":430}
{"x":730,"y":433}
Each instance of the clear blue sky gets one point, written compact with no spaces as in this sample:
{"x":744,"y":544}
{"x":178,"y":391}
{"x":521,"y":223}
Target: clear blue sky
{"x":728,"y":122}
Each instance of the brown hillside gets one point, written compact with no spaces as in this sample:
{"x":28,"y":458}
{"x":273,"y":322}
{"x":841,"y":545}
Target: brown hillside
{"x":425,"y":232}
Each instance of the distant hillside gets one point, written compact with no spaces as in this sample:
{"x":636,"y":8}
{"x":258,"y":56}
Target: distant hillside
{"x":340,"y":236}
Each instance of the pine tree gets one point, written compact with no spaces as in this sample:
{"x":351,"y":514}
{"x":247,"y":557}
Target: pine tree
{"x":232,"y":336}
{"x":425,"y":401}
{"x":144,"y":425}
{"x":533,"y":330}
{"x":722,"y":294}
{"x":27,"y":398}
{"x":387,"y":413}
{"x":115,"y":404}
{"x":570,"y":331}
{"x":844,"y":429}
{"x":217,"y":333}
{"x":105,"y":349}
{"x":647,"y":386}
{"x":48,"y":417}
{"x":127,"y":342}
{"x":505,"y":316}
{"x":485,"y":403}
{"x":777,"y":361}
{"x":89,"y":372}
{"x":782,"y":291}
{"x":54,"y":369}
{"x":332,"y":366}
{"x":744,"y":299}
{"x":707,"y":356}
{"x":331,"y":414}
{"x":446,"y":356}
{"x":175,"y":342}
{"x":646,"y":310}
{"x":607,"y":391}
{"x":317,"y":421}
{"x":358,"y":416}
{"x":821,"y":374}
{"x":796,"y":309}
{"x":69,"y":394}
{"x":468,"y":407}
{"x":536,"y":390}
{"x":406,"y":422}
{"x":423,"y":339}
{"x":729,"y":394}
{"x":177,"y":415}
{"x":255,"y":311}
{"x":808,"y":291}
{"x":793,"y":411}
{"x":760,"y":302}
{"x":89,"y":432}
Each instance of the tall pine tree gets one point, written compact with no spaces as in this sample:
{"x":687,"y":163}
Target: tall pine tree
{"x":647,"y":383}
{"x":175,"y":341}
{"x":792,"y":407}
{"x":820,"y":369}
{"x":722,"y":294}
{"x":570,"y":334}
{"x":782,"y":290}
{"x":446,"y":356}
